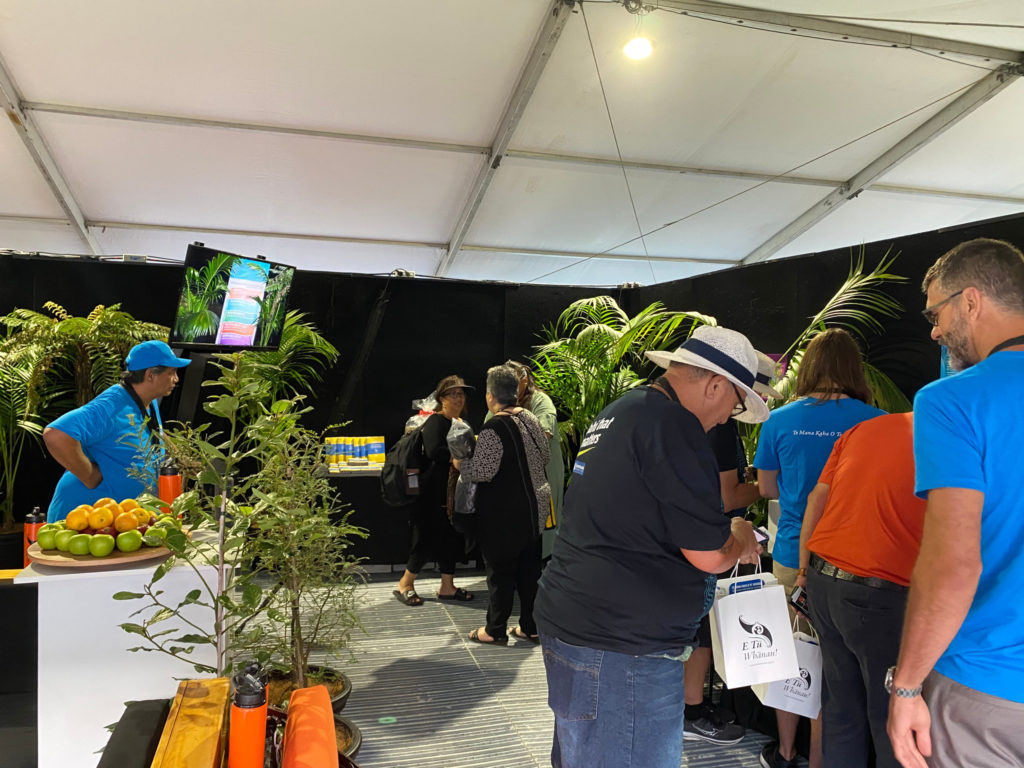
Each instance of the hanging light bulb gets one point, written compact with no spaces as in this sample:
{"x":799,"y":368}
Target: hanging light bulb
{"x":638,"y":48}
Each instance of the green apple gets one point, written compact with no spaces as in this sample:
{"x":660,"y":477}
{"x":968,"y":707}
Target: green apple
{"x":63,"y":538}
{"x":47,"y":539}
{"x":155,"y":536}
{"x":101,"y":545}
{"x":79,"y":544}
{"x":168,"y":520}
{"x":50,"y":527}
{"x":129,"y":541}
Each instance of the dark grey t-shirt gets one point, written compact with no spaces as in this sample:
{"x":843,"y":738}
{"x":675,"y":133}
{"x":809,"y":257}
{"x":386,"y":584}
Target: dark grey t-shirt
{"x":645,"y":485}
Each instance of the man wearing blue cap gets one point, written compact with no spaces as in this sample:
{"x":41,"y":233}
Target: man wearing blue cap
{"x":100,"y":443}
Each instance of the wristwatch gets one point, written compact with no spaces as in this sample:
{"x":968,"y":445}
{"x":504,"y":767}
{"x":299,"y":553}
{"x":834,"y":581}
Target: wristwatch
{"x":903,"y":693}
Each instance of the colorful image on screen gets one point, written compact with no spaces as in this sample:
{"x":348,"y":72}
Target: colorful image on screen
{"x":230,"y":302}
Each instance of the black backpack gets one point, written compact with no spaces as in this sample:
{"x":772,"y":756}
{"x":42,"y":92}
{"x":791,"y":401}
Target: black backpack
{"x":405,"y":467}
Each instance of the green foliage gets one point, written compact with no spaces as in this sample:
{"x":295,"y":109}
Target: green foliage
{"x":202,"y":289}
{"x":591,"y":355}
{"x":73,"y":358}
{"x":282,"y":516}
{"x":50,"y":363}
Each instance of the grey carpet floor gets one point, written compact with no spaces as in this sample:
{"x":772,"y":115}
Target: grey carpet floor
{"x":424,"y":696}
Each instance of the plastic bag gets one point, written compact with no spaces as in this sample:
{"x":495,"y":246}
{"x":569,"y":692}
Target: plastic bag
{"x":461,"y":441}
{"x":426,"y":407}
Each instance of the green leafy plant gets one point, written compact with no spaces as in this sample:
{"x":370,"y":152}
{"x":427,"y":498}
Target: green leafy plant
{"x":281,"y":517}
{"x":19,"y":422}
{"x":592,"y":353}
{"x":70,"y":355}
{"x":203,"y":288}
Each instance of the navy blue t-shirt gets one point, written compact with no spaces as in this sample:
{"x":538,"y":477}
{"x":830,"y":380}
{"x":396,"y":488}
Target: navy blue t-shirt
{"x":645,"y":485}
{"x":728,"y":447}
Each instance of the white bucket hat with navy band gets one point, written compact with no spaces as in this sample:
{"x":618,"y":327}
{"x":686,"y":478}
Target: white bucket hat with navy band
{"x":727,"y":353}
{"x":765,"y":374}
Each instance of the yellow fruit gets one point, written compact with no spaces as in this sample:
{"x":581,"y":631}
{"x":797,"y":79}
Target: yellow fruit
{"x":78,"y":519}
{"x":129,"y":505}
{"x":101,"y":517}
{"x":126,"y":521}
{"x":141,"y":515}
{"x":103,"y":502}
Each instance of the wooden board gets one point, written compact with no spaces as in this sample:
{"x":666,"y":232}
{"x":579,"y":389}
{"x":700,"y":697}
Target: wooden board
{"x":195,"y":734}
{"x":59,"y":559}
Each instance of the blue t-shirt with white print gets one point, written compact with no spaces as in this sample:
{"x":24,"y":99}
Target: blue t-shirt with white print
{"x":967,"y":432}
{"x":796,"y":441}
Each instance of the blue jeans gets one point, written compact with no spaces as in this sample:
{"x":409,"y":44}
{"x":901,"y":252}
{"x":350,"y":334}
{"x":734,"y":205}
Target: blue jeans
{"x":613,"y":710}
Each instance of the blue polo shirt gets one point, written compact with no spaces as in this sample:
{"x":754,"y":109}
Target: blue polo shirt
{"x":796,"y":441}
{"x":967,"y":432}
{"x":113,"y":433}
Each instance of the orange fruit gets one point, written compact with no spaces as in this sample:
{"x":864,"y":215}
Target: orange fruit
{"x":101,"y":517}
{"x":128,"y":505}
{"x":78,"y":519}
{"x":142,"y":515}
{"x":103,"y":502}
{"x":126,"y":521}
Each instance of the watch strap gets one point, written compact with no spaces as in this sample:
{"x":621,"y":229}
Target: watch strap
{"x":907,"y":693}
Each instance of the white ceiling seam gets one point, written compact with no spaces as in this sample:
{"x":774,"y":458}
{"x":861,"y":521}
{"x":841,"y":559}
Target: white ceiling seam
{"x":547,"y":38}
{"x":601,"y":255}
{"x":43,"y":158}
{"x":956,"y":110}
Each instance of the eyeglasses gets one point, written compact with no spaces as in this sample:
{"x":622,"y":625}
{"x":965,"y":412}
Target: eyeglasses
{"x":741,"y":406}
{"x":931,"y":314}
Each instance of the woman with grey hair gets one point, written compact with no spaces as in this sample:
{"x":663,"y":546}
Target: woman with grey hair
{"x":512,"y":501}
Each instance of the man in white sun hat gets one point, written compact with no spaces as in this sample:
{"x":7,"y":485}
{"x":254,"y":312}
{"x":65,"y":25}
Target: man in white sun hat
{"x":703,"y":721}
{"x":632,"y":571}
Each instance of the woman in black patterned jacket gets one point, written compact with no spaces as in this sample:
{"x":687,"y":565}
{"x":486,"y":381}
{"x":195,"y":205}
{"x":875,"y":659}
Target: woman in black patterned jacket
{"x":512,"y":500}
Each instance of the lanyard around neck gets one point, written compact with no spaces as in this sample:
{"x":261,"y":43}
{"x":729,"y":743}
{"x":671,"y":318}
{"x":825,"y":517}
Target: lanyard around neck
{"x":1013,"y":342}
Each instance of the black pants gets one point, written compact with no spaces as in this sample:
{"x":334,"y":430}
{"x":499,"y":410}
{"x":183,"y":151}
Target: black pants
{"x":860,"y":630}
{"x":506,"y":575}
{"x":433,"y":538}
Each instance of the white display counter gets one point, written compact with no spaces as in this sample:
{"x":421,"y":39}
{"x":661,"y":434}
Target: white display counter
{"x":86,"y":672}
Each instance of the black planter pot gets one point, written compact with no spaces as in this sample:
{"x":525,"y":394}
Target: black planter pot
{"x":337,"y":702}
{"x":357,"y":736}
{"x":12,"y":549}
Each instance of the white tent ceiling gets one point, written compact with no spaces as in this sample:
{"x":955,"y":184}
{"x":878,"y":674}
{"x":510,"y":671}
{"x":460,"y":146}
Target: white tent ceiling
{"x":505,"y":139}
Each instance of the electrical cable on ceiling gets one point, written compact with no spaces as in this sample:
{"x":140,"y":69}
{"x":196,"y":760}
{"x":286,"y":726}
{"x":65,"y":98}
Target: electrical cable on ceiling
{"x":615,"y":138}
{"x":761,"y":183}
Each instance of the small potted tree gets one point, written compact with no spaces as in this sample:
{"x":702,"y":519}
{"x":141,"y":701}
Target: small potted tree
{"x":259,"y":504}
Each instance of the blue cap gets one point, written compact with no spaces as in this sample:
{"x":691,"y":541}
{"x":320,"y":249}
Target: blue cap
{"x":150,"y":354}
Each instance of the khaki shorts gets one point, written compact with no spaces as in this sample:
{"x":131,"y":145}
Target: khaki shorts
{"x":787,"y":578}
{"x":971,"y":729}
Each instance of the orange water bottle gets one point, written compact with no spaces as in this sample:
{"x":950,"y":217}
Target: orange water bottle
{"x":34,"y":520}
{"x":247,"y":730}
{"x":169,"y":483}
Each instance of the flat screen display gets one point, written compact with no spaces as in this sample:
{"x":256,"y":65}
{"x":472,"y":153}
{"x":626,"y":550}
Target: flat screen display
{"x":230,"y":303}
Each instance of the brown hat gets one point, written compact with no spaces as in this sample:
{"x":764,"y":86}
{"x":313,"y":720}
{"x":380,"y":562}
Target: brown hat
{"x":448,"y":383}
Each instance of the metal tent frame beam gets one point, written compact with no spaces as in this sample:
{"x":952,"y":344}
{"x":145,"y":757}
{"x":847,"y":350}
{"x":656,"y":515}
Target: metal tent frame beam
{"x":823,"y":26}
{"x":952,"y":113}
{"x":555,"y":19}
{"x":43,"y":158}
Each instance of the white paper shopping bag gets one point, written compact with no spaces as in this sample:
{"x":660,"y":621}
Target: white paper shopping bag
{"x":751,"y":637}
{"x":800,"y":694}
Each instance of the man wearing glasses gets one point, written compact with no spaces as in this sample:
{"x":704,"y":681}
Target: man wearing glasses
{"x":632,"y":571}
{"x":963,"y":636}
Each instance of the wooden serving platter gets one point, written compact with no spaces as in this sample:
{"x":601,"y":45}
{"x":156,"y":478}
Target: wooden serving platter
{"x":60,"y":559}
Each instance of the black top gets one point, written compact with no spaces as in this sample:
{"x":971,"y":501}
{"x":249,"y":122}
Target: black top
{"x":729,"y":453}
{"x":645,"y":485}
{"x":434,"y":487}
{"x":506,"y":507}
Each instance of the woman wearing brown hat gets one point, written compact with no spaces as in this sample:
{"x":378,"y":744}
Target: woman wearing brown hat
{"x":432,"y":534}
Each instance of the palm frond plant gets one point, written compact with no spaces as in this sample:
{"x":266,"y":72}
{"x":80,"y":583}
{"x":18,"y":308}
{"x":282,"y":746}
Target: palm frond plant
{"x":203,"y":289}
{"x":591,"y":355}
{"x":19,"y":422}
{"x":77,"y":356}
{"x":295,"y":367}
